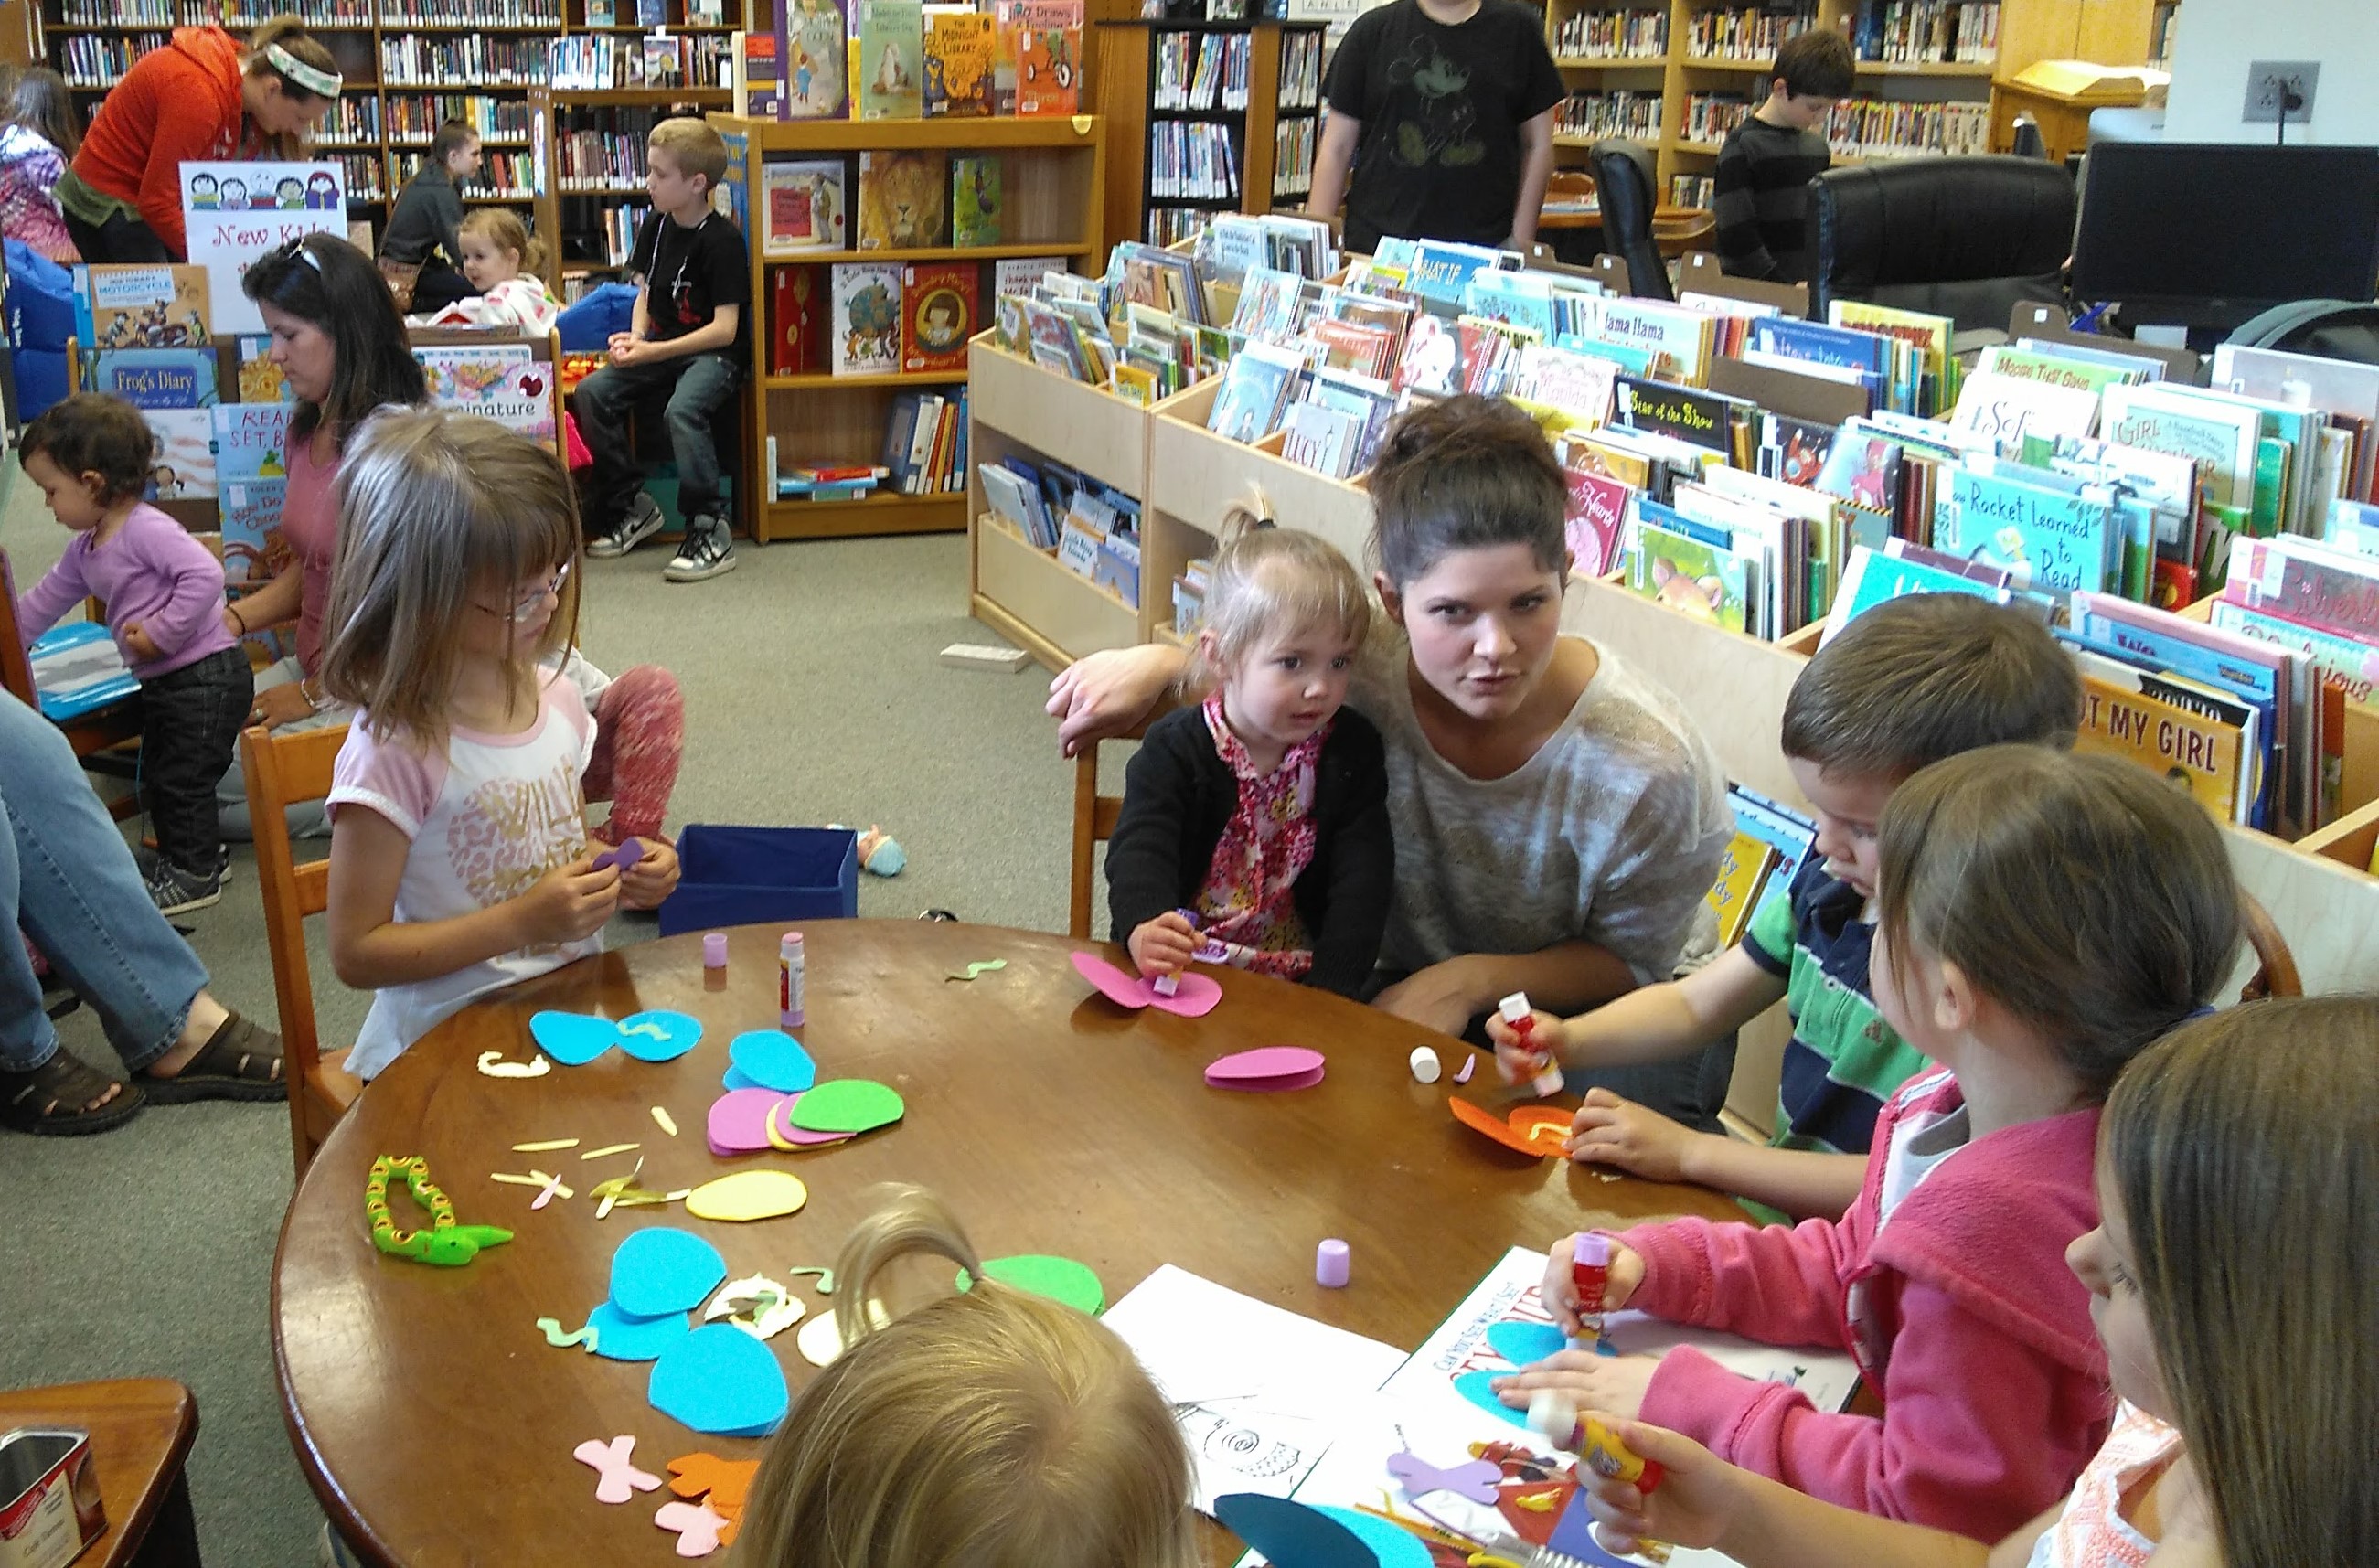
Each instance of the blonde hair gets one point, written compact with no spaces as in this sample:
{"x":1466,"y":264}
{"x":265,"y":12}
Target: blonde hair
{"x":1270,"y":581}
{"x":697,"y":148}
{"x":436,"y":511}
{"x":2242,"y":1150}
{"x":501,"y":227}
{"x":2086,"y":895}
{"x":989,"y":1430}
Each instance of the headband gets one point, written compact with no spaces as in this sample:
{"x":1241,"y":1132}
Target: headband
{"x":313,"y":78}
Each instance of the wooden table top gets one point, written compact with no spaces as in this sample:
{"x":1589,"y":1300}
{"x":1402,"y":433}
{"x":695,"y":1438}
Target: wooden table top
{"x":436,"y":1424}
{"x":140,"y":1433}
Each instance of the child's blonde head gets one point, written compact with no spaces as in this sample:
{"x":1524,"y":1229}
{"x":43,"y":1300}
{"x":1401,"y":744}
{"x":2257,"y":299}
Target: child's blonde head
{"x":990,"y":1429}
{"x":2083,"y":893}
{"x":2242,"y":1151}
{"x":500,"y":230}
{"x":694,"y":147}
{"x":439,"y":516}
{"x":1271,"y":582}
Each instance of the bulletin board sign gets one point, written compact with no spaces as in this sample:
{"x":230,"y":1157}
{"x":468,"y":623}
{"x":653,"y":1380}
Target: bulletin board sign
{"x":235,"y":212}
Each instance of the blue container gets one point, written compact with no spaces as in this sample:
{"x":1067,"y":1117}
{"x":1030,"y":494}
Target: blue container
{"x":762,"y":876}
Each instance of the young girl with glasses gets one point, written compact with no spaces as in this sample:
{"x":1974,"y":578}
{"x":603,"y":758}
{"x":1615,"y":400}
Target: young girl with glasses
{"x":459,"y":852}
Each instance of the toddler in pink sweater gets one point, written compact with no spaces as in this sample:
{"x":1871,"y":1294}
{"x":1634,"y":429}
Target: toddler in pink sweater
{"x":2044,"y":919}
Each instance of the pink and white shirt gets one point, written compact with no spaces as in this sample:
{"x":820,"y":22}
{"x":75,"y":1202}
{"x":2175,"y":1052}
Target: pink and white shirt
{"x":486,"y":820}
{"x":2093,"y":1531}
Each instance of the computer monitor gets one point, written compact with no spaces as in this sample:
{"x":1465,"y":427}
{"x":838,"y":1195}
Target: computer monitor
{"x":2208,"y":235}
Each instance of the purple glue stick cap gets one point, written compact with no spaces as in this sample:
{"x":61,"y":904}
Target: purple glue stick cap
{"x":1330,"y":1264}
{"x":714,"y":950}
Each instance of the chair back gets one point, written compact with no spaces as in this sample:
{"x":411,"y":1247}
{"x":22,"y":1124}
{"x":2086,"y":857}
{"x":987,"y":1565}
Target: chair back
{"x":283,"y":771}
{"x":1625,"y":188}
{"x":1095,"y":821}
{"x":2275,"y":966}
{"x":1963,"y":237}
{"x":15,"y":670}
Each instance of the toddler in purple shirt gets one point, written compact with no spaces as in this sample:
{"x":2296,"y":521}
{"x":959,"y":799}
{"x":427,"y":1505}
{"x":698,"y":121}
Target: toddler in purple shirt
{"x":92,"y":456}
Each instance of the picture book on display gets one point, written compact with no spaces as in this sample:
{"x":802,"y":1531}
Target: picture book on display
{"x":802,"y":206}
{"x":1047,"y":42}
{"x":154,"y":378}
{"x":975,"y":209}
{"x":161,"y":307}
{"x":903,"y":201}
{"x":865,"y":339}
{"x":501,"y":381}
{"x":891,"y":59}
{"x":959,"y":51}
{"x":816,"y":57}
{"x":938,"y":314}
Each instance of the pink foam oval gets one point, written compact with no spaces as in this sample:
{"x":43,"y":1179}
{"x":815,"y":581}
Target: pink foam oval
{"x":781,"y":1122}
{"x":739,"y":1120}
{"x":1195,"y":997}
{"x":1265,"y":1066}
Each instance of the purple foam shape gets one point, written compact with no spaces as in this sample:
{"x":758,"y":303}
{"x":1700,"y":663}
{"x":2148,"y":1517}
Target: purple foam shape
{"x":624,"y":857}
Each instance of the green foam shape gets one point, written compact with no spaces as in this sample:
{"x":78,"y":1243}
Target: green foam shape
{"x":847,"y":1104}
{"x":1060,"y":1279}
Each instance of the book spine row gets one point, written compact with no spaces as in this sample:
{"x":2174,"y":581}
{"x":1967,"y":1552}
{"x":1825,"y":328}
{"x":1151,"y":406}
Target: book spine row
{"x":510,"y":175}
{"x":356,"y":117}
{"x":362,"y":177}
{"x":1710,"y":116}
{"x":1187,"y":159}
{"x":208,"y":13}
{"x":1635,"y":114}
{"x":1877,"y":128}
{"x":418,"y":119}
{"x":472,"y":13}
{"x":1612,"y":35}
{"x":1300,"y":70}
{"x":1170,"y":225}
{"x":101,"y":62}
{"x":1691,"y":190}
{"x":1750,"y":32}
{"x":410,"y":60}
{"x":619,"y":232}
{"x":1910,"y":32}
{"x":1201,"y":70}
{"x":589,"y":160}
{"x":1293,"y":146}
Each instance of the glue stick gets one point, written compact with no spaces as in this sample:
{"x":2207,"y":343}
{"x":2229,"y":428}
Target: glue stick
{"x":789,"y":980}
{"x":1517,"y":1013}
{"x":1590,"y":1270}
{"x":1550,"y":1413}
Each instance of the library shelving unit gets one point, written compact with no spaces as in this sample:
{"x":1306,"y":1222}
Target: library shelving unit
{"x":1266,"y":107}
{"x":589,"y":148}
{"x":1050,"y":172}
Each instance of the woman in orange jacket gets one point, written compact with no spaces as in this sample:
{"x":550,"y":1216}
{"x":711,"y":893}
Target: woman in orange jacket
{"x":201,"y":97}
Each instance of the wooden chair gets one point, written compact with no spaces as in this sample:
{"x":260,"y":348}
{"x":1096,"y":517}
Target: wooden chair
{"x":1094,"y":820}
{"x":2275,"y":972}
{"x":283,"y":771}
{"x":141,"y":1429}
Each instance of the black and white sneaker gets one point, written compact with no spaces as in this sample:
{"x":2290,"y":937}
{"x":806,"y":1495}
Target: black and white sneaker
{"x":175,"y":891}
{"x":640,"y":521}
{"x":707,"y":551}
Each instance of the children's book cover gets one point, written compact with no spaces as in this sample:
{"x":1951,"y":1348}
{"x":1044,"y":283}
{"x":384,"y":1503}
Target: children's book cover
{"x":867,"y":339}
{"x":499,"y":382}
{"x":891,"y":60}
{"x":1048,"y":44}
{"x":1700,"y":580}
{"x":938,"y":310}
{"x":2053,"y":539}
{"x":975,"y":201}
{"x":903,"y":201}
{"x":1597,"y":514}
{"x":260,"y":379}
{"x":1255,"y":388}
{"x":796,"y":322}
{"x":816,"y":49}
{"x":185,"y":453}
{"x":1579,"y":383}
{"x":959,"y":48}
{"x":159,"y":307}
{"x":1699,"y":418}
{"x":802,"y":206}
{"x":154,"y":378}
{"x":1678,"y":341}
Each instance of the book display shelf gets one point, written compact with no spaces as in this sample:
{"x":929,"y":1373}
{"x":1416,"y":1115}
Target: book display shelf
{"x":1045,"y":173}
{"x":411,"y":64}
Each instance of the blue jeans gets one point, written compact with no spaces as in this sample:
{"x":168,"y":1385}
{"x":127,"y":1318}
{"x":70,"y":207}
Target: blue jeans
{"x":701,"y":391}
{"x":67,"y":878}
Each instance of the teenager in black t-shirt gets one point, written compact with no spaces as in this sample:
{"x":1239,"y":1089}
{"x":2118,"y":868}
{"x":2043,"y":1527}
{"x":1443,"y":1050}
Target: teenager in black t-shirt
{"x":1443,"y":110}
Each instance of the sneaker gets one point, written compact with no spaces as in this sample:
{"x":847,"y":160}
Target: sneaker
{"x":175,"y":891}
{"x":708,"y":552}
{"x":640,"y":521}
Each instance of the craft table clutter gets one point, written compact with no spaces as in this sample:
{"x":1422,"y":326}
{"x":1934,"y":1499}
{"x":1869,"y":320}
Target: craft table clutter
{"x":677,"y":1173}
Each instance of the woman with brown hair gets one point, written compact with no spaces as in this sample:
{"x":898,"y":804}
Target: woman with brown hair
{"x":200,"y":97}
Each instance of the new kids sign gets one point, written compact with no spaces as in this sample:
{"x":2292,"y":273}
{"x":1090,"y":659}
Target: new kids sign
{"x":235,"y":212}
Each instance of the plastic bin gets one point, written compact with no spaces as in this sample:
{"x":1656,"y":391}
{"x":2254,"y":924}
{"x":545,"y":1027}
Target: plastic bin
{"x":754,"y":875}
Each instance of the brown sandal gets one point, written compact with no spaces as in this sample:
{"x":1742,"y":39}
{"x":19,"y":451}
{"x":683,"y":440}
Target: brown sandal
{"x":239,"y":1061}
{"x":51,"y":1099}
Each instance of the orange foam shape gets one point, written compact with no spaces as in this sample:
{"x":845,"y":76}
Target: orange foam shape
{"x":1537,"y":1130}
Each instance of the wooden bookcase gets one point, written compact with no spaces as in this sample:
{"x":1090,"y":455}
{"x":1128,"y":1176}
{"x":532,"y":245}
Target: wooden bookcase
{"x":1050,"y":178}
{"x":1128,"y":79}
{"x":569,"y":205}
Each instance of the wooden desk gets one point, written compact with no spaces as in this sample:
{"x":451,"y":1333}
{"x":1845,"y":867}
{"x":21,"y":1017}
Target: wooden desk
{"x":435,"y":1423}
{"x":140,"y":1429}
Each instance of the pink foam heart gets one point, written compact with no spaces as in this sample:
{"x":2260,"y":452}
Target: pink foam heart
{"x":1267,"y":1068}
{"x":738,"y":1121}
{"x":1195,"y":998}
{"x":780,"y":1121}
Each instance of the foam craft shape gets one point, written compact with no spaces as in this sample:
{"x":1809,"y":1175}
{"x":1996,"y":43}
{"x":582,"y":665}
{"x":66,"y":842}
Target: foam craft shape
{"x":728,"y":1481}
{"x":1538,"y":1131}
{"x":1062,"y":1280}
{"x":616,"y":1480}
{"x":659,"y":1036}
{"x":1475,"y":1387}
{"x":1267,"y":1067}
{"x":662,"y":1268}
{"x":1524,"y":1344}
{"x":784,"y":1135}
{"x":623,"y":1336}
{"x":492,"y":1063}
{"x":736,"y":1077}
{"x":847,"y":1104}
{"x":576,"y":1039}
{"x":773,"y":1059}
{"x":1195,"y":997}
{"x":1290,"y":1535}
{"x":697,"y":1525}
{"x":758,"y":1306}
{"x":1473,"y":1479}
{"x":1391,"y":1546}
{"x":747,"y":1195}
{"x":719,"y":1379}
{"x":738,"y":1122}
{"x":625,"y":857}
{"x":820,"y":1340}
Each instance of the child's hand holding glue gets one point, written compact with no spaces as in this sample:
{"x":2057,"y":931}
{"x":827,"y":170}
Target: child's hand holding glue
{"x":1162,"y":949}
{"x":1572,"y":1265}
{"x":1526,"y":1045}
{"x":1646,"y":1486}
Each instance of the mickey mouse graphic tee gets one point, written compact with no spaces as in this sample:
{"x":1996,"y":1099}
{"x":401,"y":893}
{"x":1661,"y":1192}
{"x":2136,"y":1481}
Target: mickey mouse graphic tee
{"x":1440,"y":108}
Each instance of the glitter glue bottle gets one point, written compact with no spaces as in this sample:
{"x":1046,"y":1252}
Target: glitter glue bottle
{"x":789,"y":980}
{"x":1552,"y":1413}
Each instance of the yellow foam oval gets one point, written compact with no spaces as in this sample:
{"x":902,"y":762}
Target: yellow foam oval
{"x":747,"y":1195}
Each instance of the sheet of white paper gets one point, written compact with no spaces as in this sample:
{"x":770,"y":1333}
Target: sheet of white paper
{"x":1258,"y":1389}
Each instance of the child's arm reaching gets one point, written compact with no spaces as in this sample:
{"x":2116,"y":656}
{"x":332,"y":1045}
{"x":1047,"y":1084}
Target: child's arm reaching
{"x":1609,"y":1130}
{"x":1652,"y":1023}
{"x":39,"y":607}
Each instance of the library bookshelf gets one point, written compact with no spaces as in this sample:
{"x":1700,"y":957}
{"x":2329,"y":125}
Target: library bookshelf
{"x":1051,"y":168}
{"x":589,"y":146}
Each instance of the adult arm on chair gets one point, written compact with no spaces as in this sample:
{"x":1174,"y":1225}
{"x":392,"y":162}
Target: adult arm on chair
{"x":1536,"y":168}
{"x":1331,"y":160}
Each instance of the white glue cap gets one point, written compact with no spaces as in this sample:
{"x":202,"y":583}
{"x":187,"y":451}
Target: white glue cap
{"x":1514,"y":1008}
{"x":1550,"y":1413}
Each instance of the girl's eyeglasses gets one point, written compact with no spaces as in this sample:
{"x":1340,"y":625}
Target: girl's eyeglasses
{"x":530,"y":603}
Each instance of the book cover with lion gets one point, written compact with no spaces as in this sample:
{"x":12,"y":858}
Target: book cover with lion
{"x":891,"y":60}
{"x":939,"y":303}
{"x":959,"y":49}
{"x":903,"y":201}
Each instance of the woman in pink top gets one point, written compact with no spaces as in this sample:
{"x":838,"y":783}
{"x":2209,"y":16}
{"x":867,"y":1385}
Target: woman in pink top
{"x":337,"y":336}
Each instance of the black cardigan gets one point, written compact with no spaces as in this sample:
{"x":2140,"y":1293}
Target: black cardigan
{"x":427,"y":216}
{"x":1178,"y":795}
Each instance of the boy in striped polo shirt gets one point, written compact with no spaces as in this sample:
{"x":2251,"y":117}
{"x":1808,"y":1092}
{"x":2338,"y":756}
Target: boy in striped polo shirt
{"x":1759,"y":193}
{"x":1909,"y":682}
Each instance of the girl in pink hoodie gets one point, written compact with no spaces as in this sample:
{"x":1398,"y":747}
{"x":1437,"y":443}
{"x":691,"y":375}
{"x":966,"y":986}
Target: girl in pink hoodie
{"x":2044,"y":919}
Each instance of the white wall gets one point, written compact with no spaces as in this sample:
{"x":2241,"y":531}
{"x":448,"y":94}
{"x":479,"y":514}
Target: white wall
{"x":2216,"y":39}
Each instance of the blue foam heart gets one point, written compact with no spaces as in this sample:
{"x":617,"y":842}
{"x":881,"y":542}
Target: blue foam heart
{"x":1526,"y":1344}
{"x":736,"y":1077}
{"x":679,"y":1033}
{"x":573,"y":1039}
{"x":662,"y":1268}
{"x":623,"y":1336}
{"x":1392,"y":1547}
{"x":720,"y":1380}
{"x":1290,"y":1535}
{"x":1473,"y":1387}
{"x":773,"y":1059}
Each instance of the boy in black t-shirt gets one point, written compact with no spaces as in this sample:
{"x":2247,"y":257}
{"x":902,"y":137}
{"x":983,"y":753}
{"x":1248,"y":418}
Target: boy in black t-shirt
{"x":1443,"y":113}
{"x":689,"y":336}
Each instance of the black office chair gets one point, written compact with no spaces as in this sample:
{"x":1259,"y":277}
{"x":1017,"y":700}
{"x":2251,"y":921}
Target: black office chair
{"x":1623,"y":190}
{"x":1968,"y":238}
{"x":2028,"y":142}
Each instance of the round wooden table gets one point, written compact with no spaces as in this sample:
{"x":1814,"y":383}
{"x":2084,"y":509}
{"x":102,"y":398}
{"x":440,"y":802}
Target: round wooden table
{"x":436,"y":1424}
